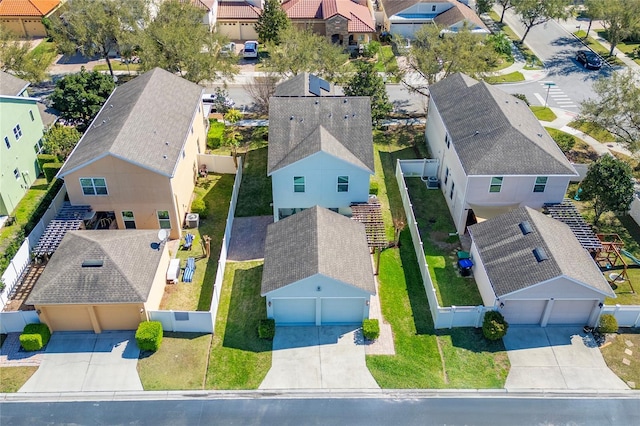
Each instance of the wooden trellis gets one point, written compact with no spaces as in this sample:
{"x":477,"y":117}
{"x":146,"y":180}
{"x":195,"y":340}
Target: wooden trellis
{"x":69,"y":218}
{"x":566,"y":212}
{"x":370,"y":214}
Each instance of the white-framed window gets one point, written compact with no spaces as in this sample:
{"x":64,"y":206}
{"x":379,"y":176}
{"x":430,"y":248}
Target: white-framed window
{"x":453,"y":186}
{"x":16,"y":173}
{"x":446,"y":175}
{"x":447,"y":140}
{"x":163,"y":219}
{"x":6,"y":142}
{"x":94,"y":186}
{"x":541,"y":184}
{"x":496,"y":184}
{"x":298,"y":184}
{"x":343,"y":183}
{"x":128,"y":219}
{"x":31,"y":115}
{"x":433,"y":8}
{"x":17,"y":132}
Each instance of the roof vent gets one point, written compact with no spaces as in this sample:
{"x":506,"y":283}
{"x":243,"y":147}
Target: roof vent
{"x":525,"y":227}
{"x":164,"y":156}
{"x":345,"y":100}
{"x":110,"y":105}
{"x":92,"y":263}
{"x":476,"y":133}
{"x":316,"y":102}
{"x":540,"y":254}
{"x":346,"y":116}
{"x":292,"y":117}
{"x":166,"y":143}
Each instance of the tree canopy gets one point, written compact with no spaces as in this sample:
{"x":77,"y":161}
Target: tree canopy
{"x":367,"y":82}
{"x":271,"y":22}
{"x":18,"y":59}
{"x":506,"y":5}
{"x":620,"y":18}
{"x":483,"y":6}
{"x":536,"y":12}
{"x":609,"y":186}
{"x":60,"y":140}
{"x":593,"y":10}
{"x":616,"y":107}
{"x":80,"y":96}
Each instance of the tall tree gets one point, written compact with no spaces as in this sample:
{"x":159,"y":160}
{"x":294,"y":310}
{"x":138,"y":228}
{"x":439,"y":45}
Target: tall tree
{"x":271,"y":22}
{"x":616,"y":107}
{"x":60,"y":140}
{"x":95,"y":27}
{"x":261,"y":88}
{"x":593,"y":10}
{"x":536,"y":12}
{"x":506,"y":5}
{"x":177,"y":41}
{"x":17,"y":58}
{"x":483,"y":6}
{"x":80,"y":96}
{"x":609,"y":186}
{"x":434,"y":57}
{"x":367,"y":82}
{"x":620,"y":18}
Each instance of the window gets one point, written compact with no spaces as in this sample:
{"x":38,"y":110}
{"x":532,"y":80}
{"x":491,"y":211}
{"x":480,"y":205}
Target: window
{"x":453,"y":185}
{"x":298,"y":184}
{"x":94,"y":186}
{"x":6,"y":142}
{"x":496,"y":184}
{"x":31,"y":115}
{"x":38,"y":146}
{"x":164,"y":220}
{"x":343,"y":183}
{"x":128,"y":219}
{"x":447,"y":139}
{"x":433,"y":8}
{"x":16,"y":173}
{"x":541,"y":184}
{"x":446,"y":175}
{"x":17,"y":132}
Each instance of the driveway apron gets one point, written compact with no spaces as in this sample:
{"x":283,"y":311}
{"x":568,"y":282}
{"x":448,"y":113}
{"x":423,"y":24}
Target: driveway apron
{"x":556,"y":358}
{"x":78,"y":361}
{"x":328,"y":357}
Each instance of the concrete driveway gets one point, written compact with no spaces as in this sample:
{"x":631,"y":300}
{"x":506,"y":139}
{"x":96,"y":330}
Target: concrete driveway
{"x":329,"y":357}
{"x":78,"y":361}
{"x":556,"y":358}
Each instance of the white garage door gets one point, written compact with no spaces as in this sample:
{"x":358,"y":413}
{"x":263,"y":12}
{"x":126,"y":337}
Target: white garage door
{"x":404,"y":30}
{"x":294,"y":311}
{"x":342,"y":311}
{"x":575,"y":312}
{"x":523,"y":311}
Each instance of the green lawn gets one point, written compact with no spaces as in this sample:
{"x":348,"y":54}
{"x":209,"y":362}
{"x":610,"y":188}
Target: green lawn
{"x":45,"y":51}
{"x":505,"y":78}
{"x":632,"y":50}
{"x":215,"y":189}
{"x":386,"y":60}
{"x":179,"y":364}
{"x":238,"y":358}
{"x":592,"y":129}
{"x":543,"y":113}
{"x":598,"y":48}
{"x":255,"y":196}
{"x":504,"y":63}
{"x":214,"y":136}
{"x":12,"y":378}
{"x":614,"y":354}
{"x":117,"y":65}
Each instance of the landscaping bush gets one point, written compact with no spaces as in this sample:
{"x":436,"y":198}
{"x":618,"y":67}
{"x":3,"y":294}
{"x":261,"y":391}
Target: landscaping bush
{"x":50,"y":170}
{"x":214,"y":137}
{"x":373,"y":188}
{"x":522,"y":97}
{"x":494,"y":326}
{"x":260,"y":133}
{"x":34,"y":337}
{"x":200,"y":206}
{"x":370,"y":329}
{"x":564,"y":140}
{"x":608,"y":324}
{"x":267,"y":329}
{"x":149,"y":335}
{"x":46,"y":159}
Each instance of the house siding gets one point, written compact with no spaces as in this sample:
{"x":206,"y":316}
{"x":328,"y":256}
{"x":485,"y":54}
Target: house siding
{"x":516,"y":190}
{"x":481,"y":278}
{"x":557,"y":288}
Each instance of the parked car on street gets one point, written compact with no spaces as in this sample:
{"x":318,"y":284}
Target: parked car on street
{"x":589,"y":59}
{"x":250,"y":49}
{"x":219,"y":103}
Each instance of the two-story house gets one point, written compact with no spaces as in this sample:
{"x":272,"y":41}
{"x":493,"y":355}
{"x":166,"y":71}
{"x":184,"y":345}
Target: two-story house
{"x":136,"y":165}
{"x":21,"y":130}
{"x":494,"y":154}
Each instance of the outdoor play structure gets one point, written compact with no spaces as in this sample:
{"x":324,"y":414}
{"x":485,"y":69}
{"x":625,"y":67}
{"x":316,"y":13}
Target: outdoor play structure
{"x":611,"y":257}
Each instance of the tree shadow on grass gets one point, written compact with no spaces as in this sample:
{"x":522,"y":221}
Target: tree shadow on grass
{"x":472,"y":339}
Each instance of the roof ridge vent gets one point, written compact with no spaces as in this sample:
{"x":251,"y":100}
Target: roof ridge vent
{"x":92,"y":263}
{"x":525,"y":227}
{"x":540,"y":254}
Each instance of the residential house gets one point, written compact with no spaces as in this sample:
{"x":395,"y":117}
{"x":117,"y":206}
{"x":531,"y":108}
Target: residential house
{"x":405,"y":17}
{"x":21,"y":130}
{"x":494,"y":154}
{"x":24,"y":17}
{"x":236,"y":19}
{"x":317,"y":270}
{"x":304,"y":84}
{"x":101,"y":280}
{"x":136,"y":165}
{"x":533,"y":269}
{"x":320,"y":153}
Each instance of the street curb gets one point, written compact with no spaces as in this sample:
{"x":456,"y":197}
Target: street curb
{"x":594,"y":52}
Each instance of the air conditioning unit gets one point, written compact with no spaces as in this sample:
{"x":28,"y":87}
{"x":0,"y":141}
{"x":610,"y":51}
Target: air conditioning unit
{"x":193,"y":220}
{"x":433,"y":182}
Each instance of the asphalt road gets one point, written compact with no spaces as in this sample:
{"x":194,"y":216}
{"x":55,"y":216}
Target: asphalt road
{"x":400,"y":409}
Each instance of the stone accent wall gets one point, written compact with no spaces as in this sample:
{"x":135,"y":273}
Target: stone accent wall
{"x":338,"y":25}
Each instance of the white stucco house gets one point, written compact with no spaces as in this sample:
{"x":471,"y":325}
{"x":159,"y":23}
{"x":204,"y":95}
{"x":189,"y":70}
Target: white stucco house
{"x":317,"y":270}
{"x":494,"y":154}
{"x":320,"y":152}
{"x":534,"y":270}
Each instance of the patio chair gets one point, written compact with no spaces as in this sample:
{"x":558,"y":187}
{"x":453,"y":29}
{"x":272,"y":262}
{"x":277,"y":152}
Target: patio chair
{"x":188,"y":241}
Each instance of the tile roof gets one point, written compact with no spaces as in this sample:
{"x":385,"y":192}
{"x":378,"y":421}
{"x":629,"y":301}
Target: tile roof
{"x":339,"y":126}
{"x":359,"y":16}
{"x":11,"y":85}
{"x":457,"y":13}
{"x":27,"y":7}
{"x":202,"y":4}
{"x":237,"y":10}
{"x":494,"y":133}
{"x":125,"y":277}
{"x":316,"y":241}
{"x":298,"y":85}
{"x":145,"y":122}
{"x":392,"y":7}
{"x":507,"y":254}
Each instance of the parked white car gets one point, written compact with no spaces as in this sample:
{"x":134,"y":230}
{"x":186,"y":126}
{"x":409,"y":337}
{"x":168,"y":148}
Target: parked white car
{"x":250,"y":49}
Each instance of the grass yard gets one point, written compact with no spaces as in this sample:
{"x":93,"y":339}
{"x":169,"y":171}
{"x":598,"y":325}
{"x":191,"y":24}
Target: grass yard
{"x":215,"y":190}
{"x":13,"y":378}
{"x":214,"y":136}
{"x":255,"y":196}
{"x":543,"y":113}
{"x":179,"y":364}
{"x":598,"y":48}
{"x":238,"y":358}
{"x":386,"y":60}
{"x":614,"y":354}
{"x":505,"y":78}
{"x":117,"y":65}
{"x":592,"y":129}
{"x":632,"y":50}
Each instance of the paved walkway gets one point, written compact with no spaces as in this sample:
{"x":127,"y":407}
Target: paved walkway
{"x":12,"y":354}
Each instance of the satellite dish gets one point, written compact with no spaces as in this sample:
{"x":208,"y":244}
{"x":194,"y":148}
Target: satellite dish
{"x":163,"y":234}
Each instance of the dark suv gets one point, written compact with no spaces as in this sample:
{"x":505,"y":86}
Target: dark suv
{"x":588,"y":59}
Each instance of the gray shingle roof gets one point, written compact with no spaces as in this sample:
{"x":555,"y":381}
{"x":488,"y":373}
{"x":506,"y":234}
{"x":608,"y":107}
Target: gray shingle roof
{"x":494,"y":133}
{"x":507,"y":254}
{"x":298,"y":85}
{"x":11,"y":85}
{"x":129,"y":266}
{"x":145,"y":121}
{"x":340,"y":126}
{"x":316,"y":241}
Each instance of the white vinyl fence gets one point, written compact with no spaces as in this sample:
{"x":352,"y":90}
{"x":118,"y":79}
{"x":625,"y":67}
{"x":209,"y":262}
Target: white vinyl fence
{"x":443,"y":317}
{"x":217,"y":163}
{"x":627,"y":316}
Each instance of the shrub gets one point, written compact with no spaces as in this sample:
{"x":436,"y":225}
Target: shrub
{"x":522,"y":97}
{"x":267,"y":329}
{"x":260,"y":133}
{"x":494,"y":326}
{"x":46,"y":159}
{"x":371,"y":49}
{"x":200,"y":206}
{"x":149,"y":335}
{"x":373,"y":188}
{"x":370,"y":329}
{"x":564,"y":140}
{"x":50,"y":170}
{"x":608,"y":324}
{"x":34,"y":337}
